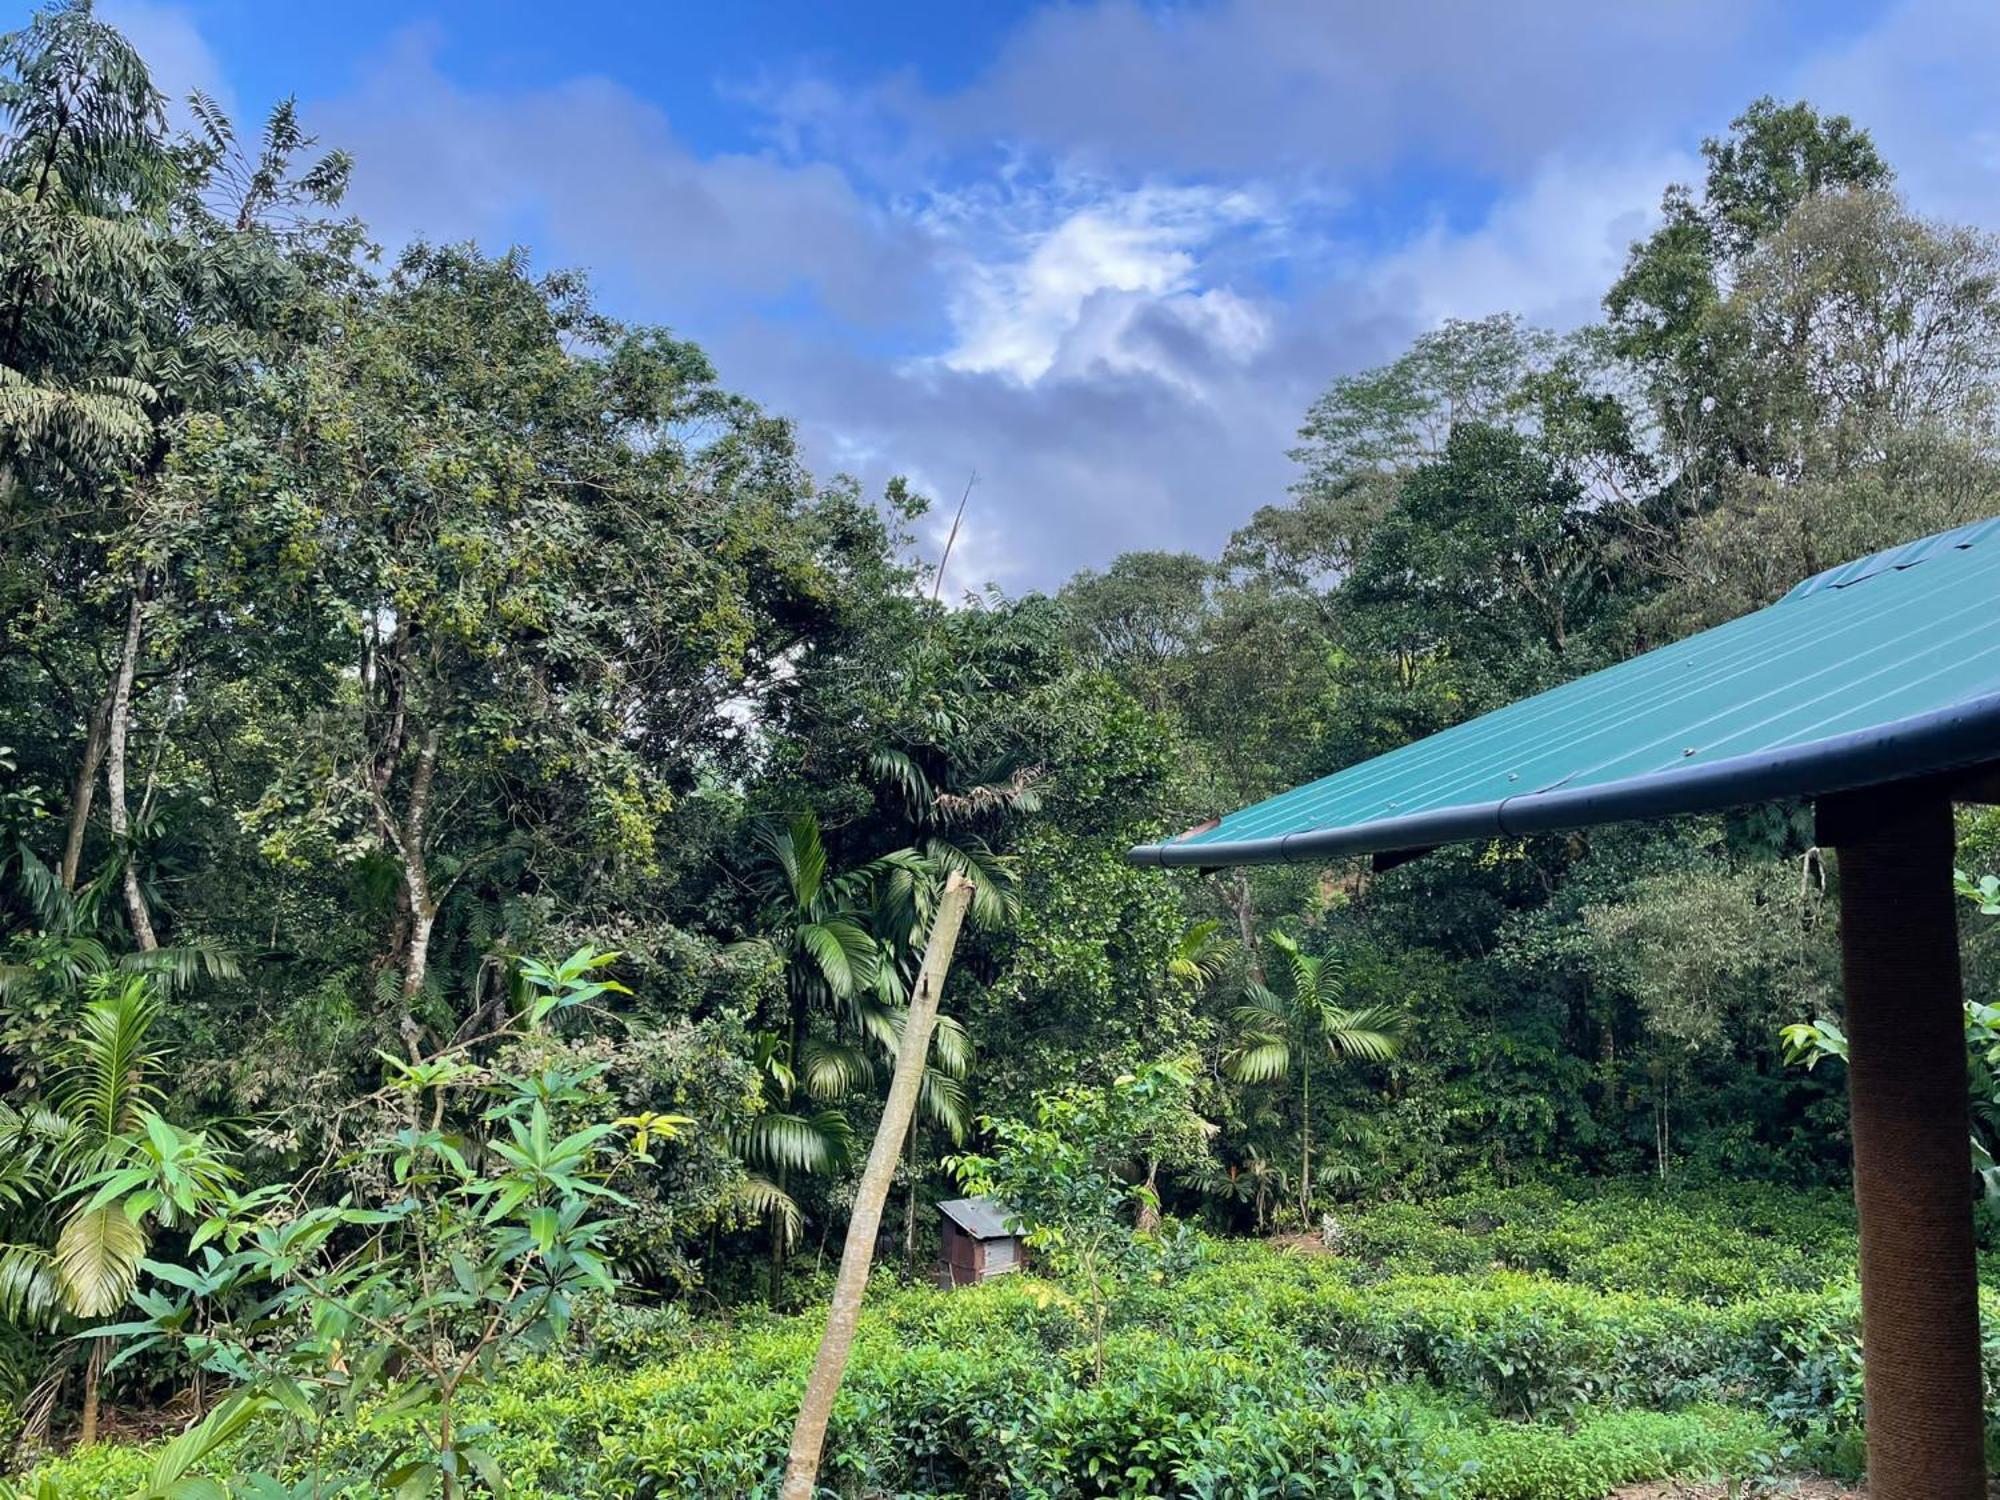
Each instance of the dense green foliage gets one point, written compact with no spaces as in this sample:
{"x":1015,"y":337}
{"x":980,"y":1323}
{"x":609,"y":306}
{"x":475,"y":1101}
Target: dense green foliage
{"x":373,"y":621}
{"x":1512,"y":1344}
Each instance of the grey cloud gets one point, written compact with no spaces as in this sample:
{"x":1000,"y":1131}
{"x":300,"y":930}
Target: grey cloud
{"x":1251,"y":84}
{"x":593,"y":175}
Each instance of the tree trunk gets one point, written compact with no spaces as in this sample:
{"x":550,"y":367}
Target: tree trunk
{"x":1305,"y":1140}
{"x":93,"y":1378}
{"x":416,"y":872}
{"x":86,"y":790}
{"x":115,"y":744}
{"x":778,"y":1246}
{"x":809,"y":1436}
{"x":1149,"y":1204}
{"x":1246,"y":923}
{"x":910,"y":1204}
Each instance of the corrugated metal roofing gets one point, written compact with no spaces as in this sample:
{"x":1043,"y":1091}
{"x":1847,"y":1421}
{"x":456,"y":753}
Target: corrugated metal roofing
{"x":1881,"y":669}
{"x":982,"y":1218}
{"x":1906,"y":556}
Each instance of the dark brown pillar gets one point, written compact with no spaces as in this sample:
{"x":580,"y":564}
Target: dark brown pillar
{"x":1912,"y":1169}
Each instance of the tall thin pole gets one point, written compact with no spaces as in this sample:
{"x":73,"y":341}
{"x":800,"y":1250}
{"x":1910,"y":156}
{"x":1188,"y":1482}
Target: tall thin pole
{"x":858,"y":1254}
{"x":1912,"y":1171}
{"x":951,"y":538}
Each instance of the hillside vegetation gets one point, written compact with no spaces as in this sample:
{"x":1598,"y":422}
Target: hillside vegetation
{"x":473,"y":804}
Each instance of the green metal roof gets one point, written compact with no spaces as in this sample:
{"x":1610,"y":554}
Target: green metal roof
{"x":1872,"y":672}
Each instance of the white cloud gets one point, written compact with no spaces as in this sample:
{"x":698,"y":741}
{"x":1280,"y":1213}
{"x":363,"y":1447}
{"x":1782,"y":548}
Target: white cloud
{"x":1111,"y":272}
{"x":1547,"y":251}
{"x":1074,"y":296}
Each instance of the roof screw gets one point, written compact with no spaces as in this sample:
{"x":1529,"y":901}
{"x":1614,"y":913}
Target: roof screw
{"x":1689,"y":751}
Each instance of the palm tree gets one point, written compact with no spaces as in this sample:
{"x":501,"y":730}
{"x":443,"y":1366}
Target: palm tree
{"x":847,"y":943}
{"x":1279,"y":1034}
{"x":816,"y":920}
{"x":84,"y":1170}
{"x":1200,"y":955}
{"x":781,"y":1141}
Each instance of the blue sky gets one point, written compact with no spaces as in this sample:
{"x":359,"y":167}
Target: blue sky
{"x":1102,"y":252}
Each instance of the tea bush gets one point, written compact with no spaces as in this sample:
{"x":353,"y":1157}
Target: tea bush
{"x":1488,"y":1348}
{"x":1611,"y":1448}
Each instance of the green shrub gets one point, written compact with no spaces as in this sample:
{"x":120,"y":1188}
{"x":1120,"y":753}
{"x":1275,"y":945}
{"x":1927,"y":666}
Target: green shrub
{"x":1609,"y":1449}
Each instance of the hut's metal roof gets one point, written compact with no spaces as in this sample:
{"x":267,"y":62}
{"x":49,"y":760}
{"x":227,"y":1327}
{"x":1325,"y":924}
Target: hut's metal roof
{"x":1876,"y":671}
{"x":982,"y":1218}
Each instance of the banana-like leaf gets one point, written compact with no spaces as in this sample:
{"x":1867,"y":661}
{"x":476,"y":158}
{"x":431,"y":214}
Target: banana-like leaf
{"x":172,"y":1476}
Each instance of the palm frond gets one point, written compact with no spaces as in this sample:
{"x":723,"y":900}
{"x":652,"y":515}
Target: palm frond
{"x":815,"y":1145}
{"x":1261,"y":1009}
{"x":805,"y":866}
{"x":1259,"y":1059}
{"x":97,"y":1260}
{"x":833,"y":1070}
{"x":190,"y":959}
{"x":30,"y":1294}
{"x":841,"y":950}
{"x":951,"y":1046}
{"x":1371,"y":1034}
{"x":771,"y":1057}
{"x":945,"y":1103}
{"x":897,"y":769}
{"x":44,"y":890}
{"x":1019,"y":791}
{"x":879,"y":1017}
{"x":35,"y":1143}
{"x":1200,"y":956}
{"x":106,"y":1080}
{"x":995,"y":898}
{"x":765,"y":1199}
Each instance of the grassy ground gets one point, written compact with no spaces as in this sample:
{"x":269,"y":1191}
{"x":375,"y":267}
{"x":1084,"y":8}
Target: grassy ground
{"x":1516,"y":1345}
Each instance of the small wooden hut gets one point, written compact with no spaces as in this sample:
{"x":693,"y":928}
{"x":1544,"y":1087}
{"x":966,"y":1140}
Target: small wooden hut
{"x":979,"y":1243}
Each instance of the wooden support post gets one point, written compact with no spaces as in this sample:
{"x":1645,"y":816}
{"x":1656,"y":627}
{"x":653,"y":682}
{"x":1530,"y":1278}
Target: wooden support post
{"x":1912,"y":1169}
{"x":858,"y":1253}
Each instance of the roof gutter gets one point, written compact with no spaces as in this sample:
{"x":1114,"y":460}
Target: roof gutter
{"x":1946,"y":739}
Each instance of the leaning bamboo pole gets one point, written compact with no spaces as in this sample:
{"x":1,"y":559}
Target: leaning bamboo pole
{"x":858,"y":1254}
